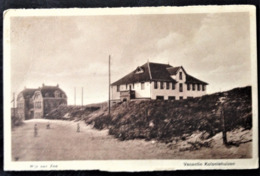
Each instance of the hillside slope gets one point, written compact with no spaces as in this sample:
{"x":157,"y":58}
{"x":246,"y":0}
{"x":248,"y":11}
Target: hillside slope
{"x":71,"y":112}
{"x":167,"y":121}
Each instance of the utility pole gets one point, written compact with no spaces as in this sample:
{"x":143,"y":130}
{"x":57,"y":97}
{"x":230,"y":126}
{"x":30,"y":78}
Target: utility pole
{"x":223,"y":120}
{"x":224,"y":132}
{"x":109,"y":85}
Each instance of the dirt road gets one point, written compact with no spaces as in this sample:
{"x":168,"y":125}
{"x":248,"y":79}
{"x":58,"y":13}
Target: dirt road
{"x":63,"y":142}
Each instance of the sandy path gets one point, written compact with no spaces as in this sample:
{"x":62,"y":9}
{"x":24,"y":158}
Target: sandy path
{"x":62,"y":142}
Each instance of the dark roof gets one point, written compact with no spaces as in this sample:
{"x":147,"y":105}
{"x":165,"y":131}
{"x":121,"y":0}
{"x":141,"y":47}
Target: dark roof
{"x":192,"y":80}
{"x":173,"y":70}
{"x":151,"y":72}
{"x":160,"y":72}
{"x":50,"y":91}
{"x":155,"y":72}
{"x":28,"y":93}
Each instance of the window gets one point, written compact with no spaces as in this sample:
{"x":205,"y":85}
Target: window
{"x":139,"y":70}
{"x":188,"y":86}
{"x":180,"y":74}
{"x":155,"y":84}
{"x":181,"y":98}
{"x":118,"y":88}
{"x":133,"y":85}
{"x":161,"y":85}
{"x":171,"y":98}
{"x":57,"y":94}
{"x":159,"y":98}
{"x":173,"y":86}
{"x":198,"y":87}
{"x":181,"y":88}
{"x":167,"y":85}
{"x":203,"y":87}
{"x":142,"y":85}
{"x":193,"y":86}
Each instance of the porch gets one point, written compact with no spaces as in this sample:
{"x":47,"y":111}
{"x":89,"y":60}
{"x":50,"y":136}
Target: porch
{"x":127,"y":95}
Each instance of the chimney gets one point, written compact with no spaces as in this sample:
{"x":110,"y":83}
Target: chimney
{"x":57,"y":85}
{"x":42,"y":84}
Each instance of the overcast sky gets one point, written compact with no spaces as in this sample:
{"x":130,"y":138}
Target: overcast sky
{"x":73,"y":51}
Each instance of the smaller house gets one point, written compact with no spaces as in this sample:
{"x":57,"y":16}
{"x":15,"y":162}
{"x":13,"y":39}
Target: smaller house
{"x":25,"y":104}
{"x":46,"y":99}
{"x":36,"y":103}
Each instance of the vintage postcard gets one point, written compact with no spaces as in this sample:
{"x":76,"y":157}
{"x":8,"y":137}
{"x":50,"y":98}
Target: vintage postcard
{"x":130,"y":89}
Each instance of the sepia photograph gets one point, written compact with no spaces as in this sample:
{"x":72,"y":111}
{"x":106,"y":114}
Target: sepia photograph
{"x":130,"y":89}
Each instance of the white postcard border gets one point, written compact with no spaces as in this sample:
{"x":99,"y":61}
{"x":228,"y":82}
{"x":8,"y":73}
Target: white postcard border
{"x":128,"y":165}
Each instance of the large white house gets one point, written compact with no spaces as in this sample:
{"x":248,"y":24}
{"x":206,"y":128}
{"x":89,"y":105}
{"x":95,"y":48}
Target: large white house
{"x":157,"y":81}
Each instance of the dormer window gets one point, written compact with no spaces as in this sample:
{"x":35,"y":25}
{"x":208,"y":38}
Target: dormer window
{"x":180,"y":76}
{"x":139,"y":70}
{"x":57,"y":94}
{"x":37,"y":95}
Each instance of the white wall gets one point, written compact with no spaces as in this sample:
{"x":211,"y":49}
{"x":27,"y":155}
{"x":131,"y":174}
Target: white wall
{"x":139,"y":93}
{"x":21,"y":106}
{"x":150,"y":92}
{"x":145,"y":93}
{"x":114,"y":95}
{"x":195,"y":93}
{"x":176,"y":92}
{"x":38,"y":112}
{"x":162,"y":92}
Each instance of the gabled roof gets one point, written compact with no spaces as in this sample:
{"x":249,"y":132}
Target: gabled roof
{"x":160,"y":72}
{"x":151,"y":72}
{"x":173,"y":70}
{"x":50,"y":90}
{"x":45,"y":90}
{"x":192,"y":80}
{"x":28,"y":93}
{"x":155,"y":72}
